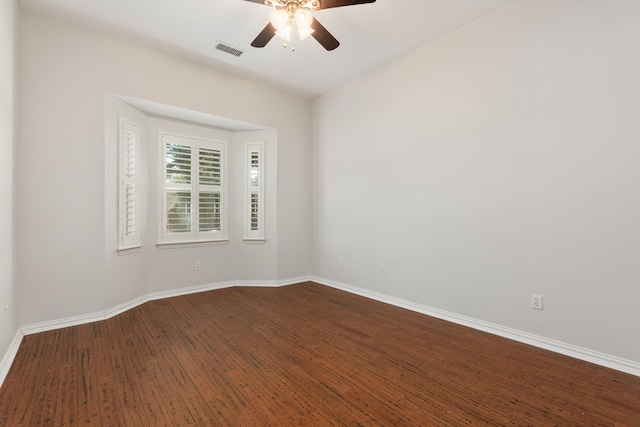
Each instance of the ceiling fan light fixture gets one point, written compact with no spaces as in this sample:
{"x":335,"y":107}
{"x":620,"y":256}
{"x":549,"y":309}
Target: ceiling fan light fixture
{"x":292,"y":21}
{"x":303,"y":33}
{"x":280,"y":18}
{"x":303,"y":18}
{"x":285,"y":33}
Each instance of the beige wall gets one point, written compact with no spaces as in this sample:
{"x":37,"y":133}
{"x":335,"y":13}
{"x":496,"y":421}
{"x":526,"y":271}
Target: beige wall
{"x":68,"y":266}
{"x":8,"y":220}
{"x":499,"y":161}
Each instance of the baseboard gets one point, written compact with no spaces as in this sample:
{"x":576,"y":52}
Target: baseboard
{"x":190,"y":290}
{"x":576,"y":352}
{"x":121,"y":308}
{"x":294,"y":280}
{"x":114,"y":311}
{"x":9,"y":356}
{"x":598,"y":358}
{"x":272,"y":283}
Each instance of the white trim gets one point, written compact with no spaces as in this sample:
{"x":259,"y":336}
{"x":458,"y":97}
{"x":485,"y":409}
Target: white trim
{"x":602,"y":359}
{"x":10,"y":356}
{"x":190,"y":290}
{"x":119,"y":309}
{"x":294,"y":280}
{"x":257,"y":283}
{"x":191,"y":244}
{"x":130,"y":250}
{"x":271,"y":283}
{"x":254,"y":241}
{"x":595,"y":357}
{"x":62,"y":323}
{"x":35,"y":328}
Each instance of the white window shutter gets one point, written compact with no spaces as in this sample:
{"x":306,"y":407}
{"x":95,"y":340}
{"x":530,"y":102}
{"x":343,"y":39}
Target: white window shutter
{"x":255,"y":192}
{"x":193,"y":189}
{"x":129,"y":197}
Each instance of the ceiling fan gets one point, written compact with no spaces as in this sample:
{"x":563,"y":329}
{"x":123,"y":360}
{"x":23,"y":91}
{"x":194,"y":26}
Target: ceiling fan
{"x":292,"y":19}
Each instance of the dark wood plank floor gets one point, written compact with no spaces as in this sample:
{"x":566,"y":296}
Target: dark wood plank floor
{"x":303,"y":355}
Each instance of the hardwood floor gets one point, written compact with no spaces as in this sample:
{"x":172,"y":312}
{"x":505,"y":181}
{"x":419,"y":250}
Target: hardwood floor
{"x":304,"y":355}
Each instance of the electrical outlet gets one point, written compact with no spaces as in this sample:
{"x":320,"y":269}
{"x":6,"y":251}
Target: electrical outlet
{"x":6,"y":313}
{"x":536,"y":302}
{"x":383,"y":271}
{"x":197,"y":265}
{"x":340,"y":264}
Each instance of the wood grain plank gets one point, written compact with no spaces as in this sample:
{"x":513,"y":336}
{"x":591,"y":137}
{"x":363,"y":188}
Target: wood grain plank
{"x":67,"y":403}
{"x":88,"y":389}
{"x":304,"y":355}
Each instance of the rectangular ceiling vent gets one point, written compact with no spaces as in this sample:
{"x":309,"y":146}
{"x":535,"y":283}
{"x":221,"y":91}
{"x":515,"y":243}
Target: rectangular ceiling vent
{"x":228,"y":49}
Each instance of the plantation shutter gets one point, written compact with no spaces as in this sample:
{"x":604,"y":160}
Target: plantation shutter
{"x":193,"y":189}
{"x":178,"y":192}
{"x":255,"y":191}
{"x":210,"y":185}
{"x":129,"y":166}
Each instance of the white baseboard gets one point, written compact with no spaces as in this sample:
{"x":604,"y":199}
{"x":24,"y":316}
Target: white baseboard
{"x":114,"y":311}
{"x":190,"y":290}
{"x":9,"y":356}
{"x":598,"y":358}
{"x":121,"y":308}
{"x":272,"y":283}
{"x":576,"y":352}
{"x":35,"y":328}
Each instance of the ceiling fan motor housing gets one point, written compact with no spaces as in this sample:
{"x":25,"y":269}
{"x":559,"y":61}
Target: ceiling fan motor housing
{"x":291,"y":6}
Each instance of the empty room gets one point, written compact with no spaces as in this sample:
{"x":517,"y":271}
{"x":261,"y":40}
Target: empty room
{"x":320,"y":212}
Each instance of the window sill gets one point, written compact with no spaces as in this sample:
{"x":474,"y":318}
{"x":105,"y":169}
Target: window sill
{"x":129,"y":250}
{"x":254,"y":241}
{"x":192,"y":244}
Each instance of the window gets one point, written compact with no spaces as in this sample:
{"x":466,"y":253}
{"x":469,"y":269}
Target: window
{"x":255,"y":192}
{"x":193,"y":189}
{"x":128,"y":192}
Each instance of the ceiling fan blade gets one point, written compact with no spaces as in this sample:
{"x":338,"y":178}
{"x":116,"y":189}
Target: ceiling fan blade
{"x":256,"y":1}
{"x":323,"y":36}
{"x":265,"y":36}
{"x":327,"y":4}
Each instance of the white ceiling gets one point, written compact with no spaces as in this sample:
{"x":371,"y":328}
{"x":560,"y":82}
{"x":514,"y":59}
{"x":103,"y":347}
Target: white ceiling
{"x":370,"y":34}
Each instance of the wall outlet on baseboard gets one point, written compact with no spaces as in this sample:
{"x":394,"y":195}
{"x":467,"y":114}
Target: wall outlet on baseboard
{"x":536,"y":302}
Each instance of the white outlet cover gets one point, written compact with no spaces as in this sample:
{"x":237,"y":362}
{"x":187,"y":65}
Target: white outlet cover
{"x":536,"y":302}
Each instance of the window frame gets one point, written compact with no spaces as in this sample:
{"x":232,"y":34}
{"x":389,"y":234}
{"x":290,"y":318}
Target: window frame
{"x":195,"y":187}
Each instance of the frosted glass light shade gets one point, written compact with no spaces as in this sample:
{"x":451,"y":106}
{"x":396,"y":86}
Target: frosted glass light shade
{"x":285,"y":33}
{"x":292,"y":26}
{"x":303,"y":33}
{"x":280,"y":19}
{"x":303,"y":18}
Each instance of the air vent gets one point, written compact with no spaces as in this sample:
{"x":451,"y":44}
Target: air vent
{"x":228,"y":49}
